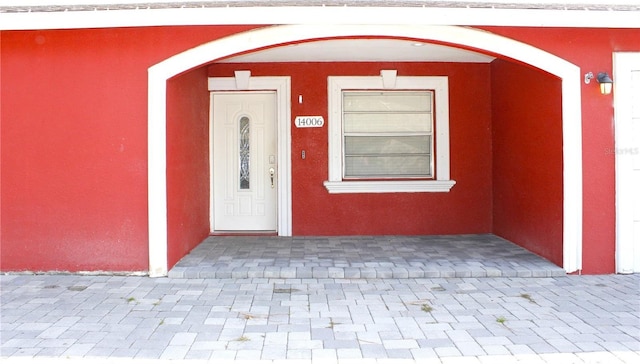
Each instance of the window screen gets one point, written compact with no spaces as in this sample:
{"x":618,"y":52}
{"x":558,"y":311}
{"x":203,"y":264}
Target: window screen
{"x":387,"y":134}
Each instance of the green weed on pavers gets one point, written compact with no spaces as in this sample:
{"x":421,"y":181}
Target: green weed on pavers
{"x":426,"y":308}
{"x":251,"y":316}
{"x":77,"y":288}
{"x":424,"y":305}
{"x":527,"y":297}
{"x":332,"y":324}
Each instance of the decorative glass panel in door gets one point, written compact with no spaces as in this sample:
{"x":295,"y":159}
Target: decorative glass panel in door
{"x":245,"y":154}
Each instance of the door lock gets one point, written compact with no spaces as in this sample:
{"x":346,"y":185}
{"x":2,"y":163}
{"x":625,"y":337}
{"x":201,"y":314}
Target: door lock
{"x":272,"y":173}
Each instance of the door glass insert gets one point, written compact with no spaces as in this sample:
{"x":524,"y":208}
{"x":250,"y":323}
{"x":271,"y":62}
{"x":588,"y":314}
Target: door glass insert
{"x":245,"y":149}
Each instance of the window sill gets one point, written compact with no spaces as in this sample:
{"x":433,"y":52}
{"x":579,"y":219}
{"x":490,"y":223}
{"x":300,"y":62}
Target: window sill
{"x":388,"y":186}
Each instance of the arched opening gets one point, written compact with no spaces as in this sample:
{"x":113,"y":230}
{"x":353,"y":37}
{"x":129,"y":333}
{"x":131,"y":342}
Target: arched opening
{"x":468,"y":38}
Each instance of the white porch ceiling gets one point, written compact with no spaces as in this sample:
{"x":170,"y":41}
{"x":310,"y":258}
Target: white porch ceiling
{"x":362,"y":50}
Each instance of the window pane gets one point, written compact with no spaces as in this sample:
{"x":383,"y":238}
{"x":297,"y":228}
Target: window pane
{"x":387,"y":166}
{"x":381,"y":123}
{"x":356,"y":145}
{"x":387,"y":101}
{"x":387,"y":134}
{"x":245,"y":149}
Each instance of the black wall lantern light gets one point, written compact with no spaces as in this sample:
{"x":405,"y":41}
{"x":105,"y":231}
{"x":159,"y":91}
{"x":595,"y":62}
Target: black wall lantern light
{"x":606,"y":83}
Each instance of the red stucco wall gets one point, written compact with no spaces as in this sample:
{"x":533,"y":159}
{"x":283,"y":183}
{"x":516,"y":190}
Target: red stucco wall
{"x":74,"y":144}
{"x":466,"y":209}
{"x":187,"y":163}
{"x":591,"y":50}
{"x":527,"y":158}
{"x":74,"y":148}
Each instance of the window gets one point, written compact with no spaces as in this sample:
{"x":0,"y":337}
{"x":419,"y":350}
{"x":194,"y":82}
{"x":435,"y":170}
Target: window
{"x":387,"y":134}
{"x":388,"y":138}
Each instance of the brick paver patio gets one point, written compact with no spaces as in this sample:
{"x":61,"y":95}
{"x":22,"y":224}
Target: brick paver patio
{"x":329,"y":301}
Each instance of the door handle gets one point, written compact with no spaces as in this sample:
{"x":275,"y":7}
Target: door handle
{"x":272,"y":173}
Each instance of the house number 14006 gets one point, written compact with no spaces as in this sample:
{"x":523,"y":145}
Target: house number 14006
{"x":309,"y":121}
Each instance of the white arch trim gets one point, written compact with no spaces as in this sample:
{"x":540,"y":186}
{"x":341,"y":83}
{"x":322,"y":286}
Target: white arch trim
{"x":269,"y":36}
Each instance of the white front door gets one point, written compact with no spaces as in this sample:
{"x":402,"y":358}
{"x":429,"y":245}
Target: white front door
{"x":627,"y":156}
{"x":244,"y":161}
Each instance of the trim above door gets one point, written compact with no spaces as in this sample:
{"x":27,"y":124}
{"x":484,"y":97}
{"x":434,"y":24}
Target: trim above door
{"x":282,"y":86}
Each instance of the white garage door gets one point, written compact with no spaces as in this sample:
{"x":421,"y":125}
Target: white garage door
{"x":627,"y":154}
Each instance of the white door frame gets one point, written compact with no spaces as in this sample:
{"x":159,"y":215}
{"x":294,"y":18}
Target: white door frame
{"x":623,"y":64}
{"x":568,"y":73}
{"x":282,"y":86}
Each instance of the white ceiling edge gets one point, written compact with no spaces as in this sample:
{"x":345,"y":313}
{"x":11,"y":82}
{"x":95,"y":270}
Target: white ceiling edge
{"x":362,"y":50}
{"x":115,"y":2}
{"x":328,"y":16}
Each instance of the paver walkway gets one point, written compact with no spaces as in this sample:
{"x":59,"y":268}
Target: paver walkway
{"x":362,"y":257}
{"x":116,"y":319}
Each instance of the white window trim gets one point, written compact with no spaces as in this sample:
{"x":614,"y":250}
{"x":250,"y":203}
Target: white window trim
{"x":439,"y":84}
